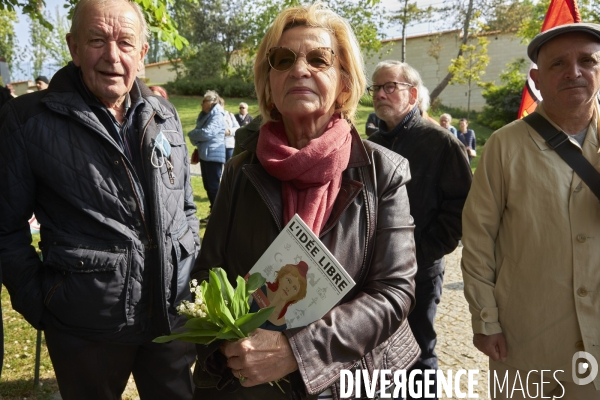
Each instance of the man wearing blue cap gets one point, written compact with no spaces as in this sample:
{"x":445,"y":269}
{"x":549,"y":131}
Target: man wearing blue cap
{"x":531,"y":231}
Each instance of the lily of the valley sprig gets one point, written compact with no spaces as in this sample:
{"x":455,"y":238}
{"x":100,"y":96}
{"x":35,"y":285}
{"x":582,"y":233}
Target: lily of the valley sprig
{"x":218,"y":311}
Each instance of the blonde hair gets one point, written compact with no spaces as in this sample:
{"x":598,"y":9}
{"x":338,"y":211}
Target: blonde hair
{"x":348,"y":52}
{"x":292,"y":269}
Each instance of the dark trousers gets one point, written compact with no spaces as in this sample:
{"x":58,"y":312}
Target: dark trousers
{"x":428,"y":294}
{"x":228,"y":154}
{"x":211,"y":178}
{"x":99,"y":370}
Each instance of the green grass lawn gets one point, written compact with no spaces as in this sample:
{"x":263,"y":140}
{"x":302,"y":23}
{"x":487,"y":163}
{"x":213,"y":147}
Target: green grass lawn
{"x":20,"y":337}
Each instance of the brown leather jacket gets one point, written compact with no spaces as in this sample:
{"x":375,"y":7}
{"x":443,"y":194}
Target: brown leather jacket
{"x":370,"y":232}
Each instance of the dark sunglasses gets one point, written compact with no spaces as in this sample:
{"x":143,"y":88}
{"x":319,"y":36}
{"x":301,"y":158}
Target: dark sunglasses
{"x":319,"y":59}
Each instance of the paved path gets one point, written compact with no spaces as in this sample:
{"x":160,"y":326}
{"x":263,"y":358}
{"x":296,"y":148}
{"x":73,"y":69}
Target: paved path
{"x":453,"y":325}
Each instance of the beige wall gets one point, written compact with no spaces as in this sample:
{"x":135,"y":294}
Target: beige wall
{"x":502,"y":49}
{"x":160,"y":73}
{"x":21,"y":87}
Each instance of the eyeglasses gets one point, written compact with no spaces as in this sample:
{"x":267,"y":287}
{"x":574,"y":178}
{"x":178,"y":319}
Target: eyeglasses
{"x":283,"y":59}
{"x":388,"y":87}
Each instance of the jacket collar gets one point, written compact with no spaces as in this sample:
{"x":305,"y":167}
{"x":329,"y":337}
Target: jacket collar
{"x":590,"y":145}
{"x":402,"y":128}
{"x":270,"y":187}
{"x":591,"y":137}
{"x":67,"y":94}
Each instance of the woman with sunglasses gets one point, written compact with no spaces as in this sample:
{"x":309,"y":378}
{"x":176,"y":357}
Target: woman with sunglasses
{"x":308,"y":159}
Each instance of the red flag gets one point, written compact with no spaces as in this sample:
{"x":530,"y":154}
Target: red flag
{"x":560,"y":12}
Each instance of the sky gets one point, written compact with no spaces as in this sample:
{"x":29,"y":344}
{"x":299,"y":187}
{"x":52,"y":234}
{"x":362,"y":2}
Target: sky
{"x":22,"y":30}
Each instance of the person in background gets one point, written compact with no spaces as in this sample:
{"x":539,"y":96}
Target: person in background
{"x":209,"y":137}
{"x":243,"y":117}
{"x":5,"y":95}
{"x":41,"y":82}
{"x":119,"y":234}
{"x":11,"y":89}
{"x":446,"y":122}
{"x":159,"y":91}
{"x":467,"y":137}
{"x":424,"y":102}
{"x":372,"y":124}
{"x":441,"y":179}
{"x":232,"y":127}
{"x":532,"y":232}
{"x":308,"y":159}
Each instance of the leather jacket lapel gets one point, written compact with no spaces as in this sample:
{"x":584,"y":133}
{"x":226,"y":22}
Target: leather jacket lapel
{"x":269,"y":189}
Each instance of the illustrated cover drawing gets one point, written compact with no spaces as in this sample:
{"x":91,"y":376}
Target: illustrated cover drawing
{"x":304,"y":280}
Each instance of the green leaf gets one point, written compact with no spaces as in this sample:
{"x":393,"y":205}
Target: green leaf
{"x":255,"y":281}
{"x":226,"y":288}
{"x":228,"y":334}
{"x":221,"y":308}
{"x":210,"y":306}
{"x":199,"y":340}
{"x":240,"y":305}
{"x":201,"y":323}
{"x":250,"y":322}
{"x":202,"y":335}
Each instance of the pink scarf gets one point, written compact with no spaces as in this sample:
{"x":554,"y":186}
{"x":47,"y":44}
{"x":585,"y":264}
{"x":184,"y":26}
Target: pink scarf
{"x":311,"y":177}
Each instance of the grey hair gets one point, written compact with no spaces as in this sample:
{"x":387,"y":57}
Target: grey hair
{"x":446,"y":115}
{"x":245,"y":105}
{"x":411,"y":75}
{"x":212,"y":97}
{"x":77,"y":11}
{"x":424,"y":99}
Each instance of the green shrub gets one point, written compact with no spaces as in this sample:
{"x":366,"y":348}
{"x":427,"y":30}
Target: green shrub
{"x":366,"y":100}
{"x":503,"y":101}
{"x":226,"y":87}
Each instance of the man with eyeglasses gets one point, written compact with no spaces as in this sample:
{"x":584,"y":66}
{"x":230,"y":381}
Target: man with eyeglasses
{"x":441,"y":178}
{"x":243,"y":118}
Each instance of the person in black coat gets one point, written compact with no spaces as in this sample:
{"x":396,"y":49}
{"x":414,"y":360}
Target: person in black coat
{"x":441,"y":178}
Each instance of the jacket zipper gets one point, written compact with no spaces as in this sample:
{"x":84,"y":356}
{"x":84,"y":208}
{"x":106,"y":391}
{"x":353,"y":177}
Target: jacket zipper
{"x":151,"y":300}
{"x":137,"y":200}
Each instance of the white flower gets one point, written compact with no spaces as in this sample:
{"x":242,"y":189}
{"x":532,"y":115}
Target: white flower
{"x":192,"y":310}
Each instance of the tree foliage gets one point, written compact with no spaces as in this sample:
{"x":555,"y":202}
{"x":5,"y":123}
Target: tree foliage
{"x":38,"y":53}
{"x":407,"y":15}
{"x":589,"y":10}
{"x":500,"y":15}
{"x":509,"y":16}
{"x":7,"y":35}
{"x":469,"y":67}
{"x":503,"y":101}
{"x":156,"y":13}
{"x":56,"y":45}
{"x":225,"y":34}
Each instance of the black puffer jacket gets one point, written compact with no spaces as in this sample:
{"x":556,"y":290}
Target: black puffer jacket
{"x":116,"y":257}
{"x":441,"y":179}
{"x":369,"y":231}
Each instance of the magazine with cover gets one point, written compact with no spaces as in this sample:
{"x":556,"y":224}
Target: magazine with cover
{"x":304,"y":280}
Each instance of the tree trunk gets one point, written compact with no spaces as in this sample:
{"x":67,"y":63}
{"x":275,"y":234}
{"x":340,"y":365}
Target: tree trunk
{"x":435,"y":93}
{"x":469,"y":100}
{"x":404,"y":31}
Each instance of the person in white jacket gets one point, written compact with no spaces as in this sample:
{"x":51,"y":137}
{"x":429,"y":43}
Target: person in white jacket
{"x":232,"y":126}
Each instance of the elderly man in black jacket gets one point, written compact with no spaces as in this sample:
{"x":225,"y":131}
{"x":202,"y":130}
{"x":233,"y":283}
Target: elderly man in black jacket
{"x":103,"y":164}
{"x":441,"y":178}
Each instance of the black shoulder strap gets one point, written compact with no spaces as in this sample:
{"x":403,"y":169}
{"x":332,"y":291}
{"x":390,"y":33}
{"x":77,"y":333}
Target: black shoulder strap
{"x":569,"y":153}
